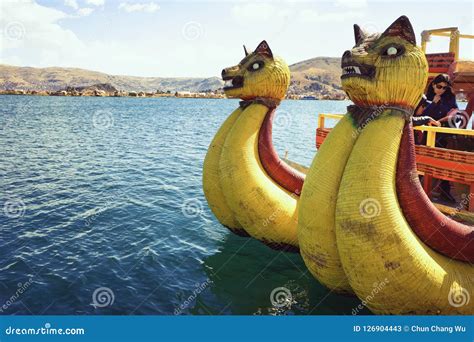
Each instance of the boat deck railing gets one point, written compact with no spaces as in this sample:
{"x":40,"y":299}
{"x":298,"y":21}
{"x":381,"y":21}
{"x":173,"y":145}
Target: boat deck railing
{"x":433,"y":162}
{"x":451,"y":32}
{"x":461,"y":72}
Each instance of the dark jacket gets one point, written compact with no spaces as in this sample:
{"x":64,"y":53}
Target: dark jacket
{"x":439,"y":110}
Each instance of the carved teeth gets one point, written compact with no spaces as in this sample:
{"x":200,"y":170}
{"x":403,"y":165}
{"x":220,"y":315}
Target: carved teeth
{"x":228,"y":83}
{"x":351,"y":70}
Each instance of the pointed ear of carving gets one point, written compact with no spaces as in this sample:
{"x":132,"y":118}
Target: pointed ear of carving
{"x":264,"y":49}
{"x":245,"y":51}
{"x":401,"y":28}
{"x":359,"y":34}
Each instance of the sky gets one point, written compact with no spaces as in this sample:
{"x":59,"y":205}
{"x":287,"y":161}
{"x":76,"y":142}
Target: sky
{"x":200,"y":38}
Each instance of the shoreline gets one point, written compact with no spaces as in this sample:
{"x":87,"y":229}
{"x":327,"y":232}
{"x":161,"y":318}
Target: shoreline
{"x":185,"y":95}
{"x":180,"y":96}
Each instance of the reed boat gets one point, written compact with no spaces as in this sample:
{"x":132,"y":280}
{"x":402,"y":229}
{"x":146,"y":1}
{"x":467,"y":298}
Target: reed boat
{"x":435,"y":163}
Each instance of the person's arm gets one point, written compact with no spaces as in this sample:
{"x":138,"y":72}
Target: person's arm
{"x":450,"y":116}
{"x":424,"y":120}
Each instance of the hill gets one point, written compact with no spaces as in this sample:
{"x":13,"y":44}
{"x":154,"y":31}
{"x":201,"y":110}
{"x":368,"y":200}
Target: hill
{"x":55,"y":78}
{"x":316,"y":76}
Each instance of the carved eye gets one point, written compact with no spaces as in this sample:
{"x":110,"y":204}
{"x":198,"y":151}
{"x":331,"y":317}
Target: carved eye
{"x":393,"y":51}
{"x":255,"y":66}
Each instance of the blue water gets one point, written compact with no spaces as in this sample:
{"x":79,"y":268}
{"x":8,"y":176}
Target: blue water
{"x":106,"y":193}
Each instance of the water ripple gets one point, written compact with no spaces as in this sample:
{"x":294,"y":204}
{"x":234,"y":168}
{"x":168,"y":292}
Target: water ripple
{"x":104,"y":208}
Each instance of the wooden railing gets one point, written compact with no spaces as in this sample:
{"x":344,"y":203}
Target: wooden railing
{"x":451,"y":32}
{"x":439,"y":63}
{"x":432,"y":162}
{"x":432,"y":130}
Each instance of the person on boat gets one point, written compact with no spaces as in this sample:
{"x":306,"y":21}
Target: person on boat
{"x":443,"y":100}
{"x":439,"y":103}
{"x":419,"y":119}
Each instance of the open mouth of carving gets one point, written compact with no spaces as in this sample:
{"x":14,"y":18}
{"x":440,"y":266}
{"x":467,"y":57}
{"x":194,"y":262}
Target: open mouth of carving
{"x":354,"y":69}
{"x":233,"y":82}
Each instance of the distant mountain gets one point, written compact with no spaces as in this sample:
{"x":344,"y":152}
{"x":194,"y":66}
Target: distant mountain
{"x":316,"y":75}
{"x":320,"y":75}
{"x":55,"y":78}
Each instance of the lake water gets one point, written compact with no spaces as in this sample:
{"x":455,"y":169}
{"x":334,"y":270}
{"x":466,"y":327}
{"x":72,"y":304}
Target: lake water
{"x":103,"y":211}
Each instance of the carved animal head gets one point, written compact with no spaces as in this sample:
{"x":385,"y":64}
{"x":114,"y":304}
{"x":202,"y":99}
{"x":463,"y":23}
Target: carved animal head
{"x":385,"y":69}
{"x":259,"y":74}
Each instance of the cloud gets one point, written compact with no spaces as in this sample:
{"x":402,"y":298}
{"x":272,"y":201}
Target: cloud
{"x":312,"y":16}
{"x":34,"y":36}
{"x":258,"y":12}
{"x":352,"y":3}
{"x":95,"y":2}
{"x":34,"y":31}
{"x":85,"y":11}
{"x":71,"y":3}
{"x":150,"y":7}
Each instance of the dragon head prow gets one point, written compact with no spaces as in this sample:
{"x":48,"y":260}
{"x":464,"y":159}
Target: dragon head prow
{"x":259,"y":74}
{"x":385,"y":68}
